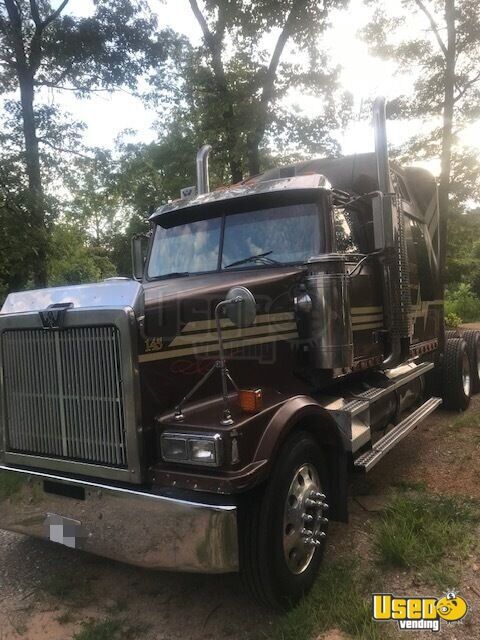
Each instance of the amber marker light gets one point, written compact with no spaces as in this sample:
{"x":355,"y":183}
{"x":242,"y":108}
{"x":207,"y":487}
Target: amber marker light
{"x":250,"y":400}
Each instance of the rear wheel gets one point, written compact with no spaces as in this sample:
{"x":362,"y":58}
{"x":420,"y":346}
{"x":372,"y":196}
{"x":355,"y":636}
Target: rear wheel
{"x":451,"y":333}
{"x":472,"y":338}
{"x":284,"y":526}
{"x":456,"y":377}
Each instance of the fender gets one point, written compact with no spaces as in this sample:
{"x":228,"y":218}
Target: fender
{"x":303,"y":411}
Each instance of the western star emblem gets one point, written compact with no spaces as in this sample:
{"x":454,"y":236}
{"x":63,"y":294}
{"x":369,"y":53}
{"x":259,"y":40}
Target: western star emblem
{"x":53,"y":316}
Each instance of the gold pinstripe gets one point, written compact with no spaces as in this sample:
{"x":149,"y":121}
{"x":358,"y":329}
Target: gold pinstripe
{"x":277,"y":325}
{"x":195,"y":338}
{"x":207,"y":348}
{"x":265,"y":318}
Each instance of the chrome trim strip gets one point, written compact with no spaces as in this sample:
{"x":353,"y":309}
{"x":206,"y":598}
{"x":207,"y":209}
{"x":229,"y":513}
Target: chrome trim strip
{"x":136,"y":527}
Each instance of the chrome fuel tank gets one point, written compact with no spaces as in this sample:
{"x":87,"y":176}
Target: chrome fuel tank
{"x":330,"y":323}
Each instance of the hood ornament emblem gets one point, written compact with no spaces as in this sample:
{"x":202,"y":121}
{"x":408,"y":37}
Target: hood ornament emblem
{"x":53,"y":316}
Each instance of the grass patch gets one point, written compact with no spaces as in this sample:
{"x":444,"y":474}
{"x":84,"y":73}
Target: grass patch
{"x":108,"y":629}
{"x":407,"y":485}
{"x":341,"y":598}
{"x":427,"y":533}
{"x":72,"y":589}
{"x":65,"y":618}
{"x":10,"y":483}
{"x":466,"y":419}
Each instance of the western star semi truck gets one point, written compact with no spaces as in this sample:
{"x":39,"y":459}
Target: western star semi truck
{"x":205,"y":415}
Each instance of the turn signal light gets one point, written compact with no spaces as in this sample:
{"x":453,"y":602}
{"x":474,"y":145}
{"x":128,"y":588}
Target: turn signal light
{"x":250,"y":400}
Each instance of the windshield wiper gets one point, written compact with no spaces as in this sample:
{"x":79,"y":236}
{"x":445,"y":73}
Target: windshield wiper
{"x":176,"y":274}
{"x":260,"y":257}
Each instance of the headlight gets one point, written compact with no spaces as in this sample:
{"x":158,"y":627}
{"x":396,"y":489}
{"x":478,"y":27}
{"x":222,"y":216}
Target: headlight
{"x":192,"y":448}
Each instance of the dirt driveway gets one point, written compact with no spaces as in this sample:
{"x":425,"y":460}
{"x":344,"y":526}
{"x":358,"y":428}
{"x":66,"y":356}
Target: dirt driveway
{"x":49,"y":592}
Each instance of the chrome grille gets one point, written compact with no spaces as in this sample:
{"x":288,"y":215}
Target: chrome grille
{"x":63,"y":394}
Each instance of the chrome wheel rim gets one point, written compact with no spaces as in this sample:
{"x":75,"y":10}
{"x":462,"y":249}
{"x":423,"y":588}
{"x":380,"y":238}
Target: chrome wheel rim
{"x":303,"y":520}
{"x":466,"y":374}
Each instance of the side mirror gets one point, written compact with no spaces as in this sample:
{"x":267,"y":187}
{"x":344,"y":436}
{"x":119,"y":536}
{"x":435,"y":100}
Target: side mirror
{"x":243,"y":312}
{"x":139,"y":254}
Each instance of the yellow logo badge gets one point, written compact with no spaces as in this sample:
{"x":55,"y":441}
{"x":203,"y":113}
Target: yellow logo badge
{"x":153,"y":344}
{"x":418,"y":613}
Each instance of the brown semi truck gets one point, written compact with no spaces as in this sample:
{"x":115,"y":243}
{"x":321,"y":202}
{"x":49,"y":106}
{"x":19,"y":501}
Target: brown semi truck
{"x":205,"y":416}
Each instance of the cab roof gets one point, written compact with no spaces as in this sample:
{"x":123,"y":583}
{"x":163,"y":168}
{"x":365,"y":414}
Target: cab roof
{"x":245,"y":196}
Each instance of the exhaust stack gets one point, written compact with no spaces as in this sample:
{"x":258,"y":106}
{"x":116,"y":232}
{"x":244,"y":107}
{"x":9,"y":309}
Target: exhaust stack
{"x":383,"y":168}
{"x":203,"y":185}
{"x":396,"y":287}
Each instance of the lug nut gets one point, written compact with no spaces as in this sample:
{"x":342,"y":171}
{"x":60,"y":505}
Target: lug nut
{"x":312,"y":542}
{"x":307,"y":517}
{"x":317,"y":495}
{"x":313,"y":503}
{"x":306,"y":532}
{"x":321,"y":520}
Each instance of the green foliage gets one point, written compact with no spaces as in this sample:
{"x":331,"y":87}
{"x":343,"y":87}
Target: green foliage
{"x":440,"y":56}
{"x":463,"y":251}
{"x":452,"y":321}
{"x":75,"y":259}
{"x":463,"y":303}
{"x":108,"y":629}
{"x":114,"y":45}
{"x":425,"y":532}
{"x":341,"y":599}
{"x":10,"y":483}
{"x":233,"y":86}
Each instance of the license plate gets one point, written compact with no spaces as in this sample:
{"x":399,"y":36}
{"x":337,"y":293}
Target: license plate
{"x":64,"y":530}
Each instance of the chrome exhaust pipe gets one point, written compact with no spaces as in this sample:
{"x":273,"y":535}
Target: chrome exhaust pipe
{"x":390,"y":261}
{"x":203,"y":185}
{"x":383,"y":168}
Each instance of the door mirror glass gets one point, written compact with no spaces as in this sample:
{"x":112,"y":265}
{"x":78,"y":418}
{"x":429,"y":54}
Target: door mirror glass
{"x":244,"y":312}
{"x":139,"y":254}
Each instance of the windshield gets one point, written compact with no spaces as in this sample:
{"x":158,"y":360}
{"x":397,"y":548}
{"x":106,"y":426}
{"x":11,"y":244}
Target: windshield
{"x":278,"y":235}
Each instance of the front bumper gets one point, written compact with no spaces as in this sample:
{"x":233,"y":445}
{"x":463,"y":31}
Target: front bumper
{"x":139,"y":528}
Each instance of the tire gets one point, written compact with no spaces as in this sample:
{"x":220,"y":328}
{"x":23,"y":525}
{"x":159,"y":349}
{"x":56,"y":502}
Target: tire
{"x":278,"y":564}
{"x":456,"y":375}
{"x":472,"y":338}
{"x":451,"y":333}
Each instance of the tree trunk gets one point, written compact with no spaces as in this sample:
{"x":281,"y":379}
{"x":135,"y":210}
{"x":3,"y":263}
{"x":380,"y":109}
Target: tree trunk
{"x":32,"y":161}
{"x":448,"y":107}
{"x":254,"y":154}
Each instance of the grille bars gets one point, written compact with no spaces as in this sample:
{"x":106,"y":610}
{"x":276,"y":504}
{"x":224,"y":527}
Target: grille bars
{"x":64,"y":394}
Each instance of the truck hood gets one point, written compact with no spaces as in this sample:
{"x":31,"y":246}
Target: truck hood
{"x":117,"y":292}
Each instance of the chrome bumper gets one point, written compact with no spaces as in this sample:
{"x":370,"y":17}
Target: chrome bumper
{"x":157,"y":532}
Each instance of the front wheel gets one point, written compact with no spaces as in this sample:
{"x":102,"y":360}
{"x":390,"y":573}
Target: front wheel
{"x":284,"y":525}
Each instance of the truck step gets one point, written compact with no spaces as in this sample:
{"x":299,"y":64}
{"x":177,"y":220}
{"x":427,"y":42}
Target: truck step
{"x":369,"y":459}
{"x":374,"y":394}
{"x":354,"y":407}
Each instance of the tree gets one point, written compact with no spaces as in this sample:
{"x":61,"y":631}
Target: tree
{"x":41,"y":46}
{"x":237,"y":88}
{"x":444,"y":62}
